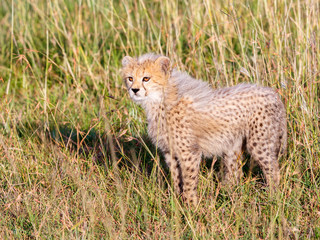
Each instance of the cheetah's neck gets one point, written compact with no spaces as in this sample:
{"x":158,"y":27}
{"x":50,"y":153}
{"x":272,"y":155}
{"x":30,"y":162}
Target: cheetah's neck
{"x":156,"y":110}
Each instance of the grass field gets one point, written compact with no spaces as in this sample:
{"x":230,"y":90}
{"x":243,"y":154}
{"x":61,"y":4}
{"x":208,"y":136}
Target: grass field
{"x":75,"y":160}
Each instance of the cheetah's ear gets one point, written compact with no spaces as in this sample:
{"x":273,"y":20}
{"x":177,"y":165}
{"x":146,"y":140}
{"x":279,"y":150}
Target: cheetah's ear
{"x":164,"y":63}
{"x":126,"y":61}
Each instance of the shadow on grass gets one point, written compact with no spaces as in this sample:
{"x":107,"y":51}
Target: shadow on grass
{"x":102,"y":147}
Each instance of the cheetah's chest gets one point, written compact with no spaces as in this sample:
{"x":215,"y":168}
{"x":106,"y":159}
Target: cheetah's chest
{"x":157,"y":130}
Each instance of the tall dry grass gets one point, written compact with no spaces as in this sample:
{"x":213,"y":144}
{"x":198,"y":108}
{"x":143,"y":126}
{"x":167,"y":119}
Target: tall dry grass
{"x":75,"y":161}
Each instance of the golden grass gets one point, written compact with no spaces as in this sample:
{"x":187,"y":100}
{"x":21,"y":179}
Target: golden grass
{"x":75,"y":161}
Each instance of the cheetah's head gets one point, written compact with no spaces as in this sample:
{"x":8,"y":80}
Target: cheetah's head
{"x":146,"y":77}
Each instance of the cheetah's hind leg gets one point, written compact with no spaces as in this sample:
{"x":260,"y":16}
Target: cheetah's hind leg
{"x":233,"y":164}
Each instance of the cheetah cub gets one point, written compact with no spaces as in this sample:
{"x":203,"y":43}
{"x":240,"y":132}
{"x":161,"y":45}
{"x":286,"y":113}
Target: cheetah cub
{"x":188,"y":119}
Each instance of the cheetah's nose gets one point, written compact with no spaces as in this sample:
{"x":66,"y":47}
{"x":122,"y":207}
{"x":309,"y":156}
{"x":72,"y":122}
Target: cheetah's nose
{"x":135,"y":90}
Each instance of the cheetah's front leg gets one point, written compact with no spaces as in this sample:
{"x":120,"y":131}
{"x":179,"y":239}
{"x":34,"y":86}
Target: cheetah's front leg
{"x":175,"y":172}
{"x":190,"y":164}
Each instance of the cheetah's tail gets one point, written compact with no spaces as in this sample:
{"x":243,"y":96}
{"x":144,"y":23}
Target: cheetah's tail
{"x":284,"y":137}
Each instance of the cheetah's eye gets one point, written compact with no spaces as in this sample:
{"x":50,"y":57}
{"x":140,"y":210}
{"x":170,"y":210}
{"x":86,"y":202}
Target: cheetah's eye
{"x":130,"y":79}
{"x":146,"y":79}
